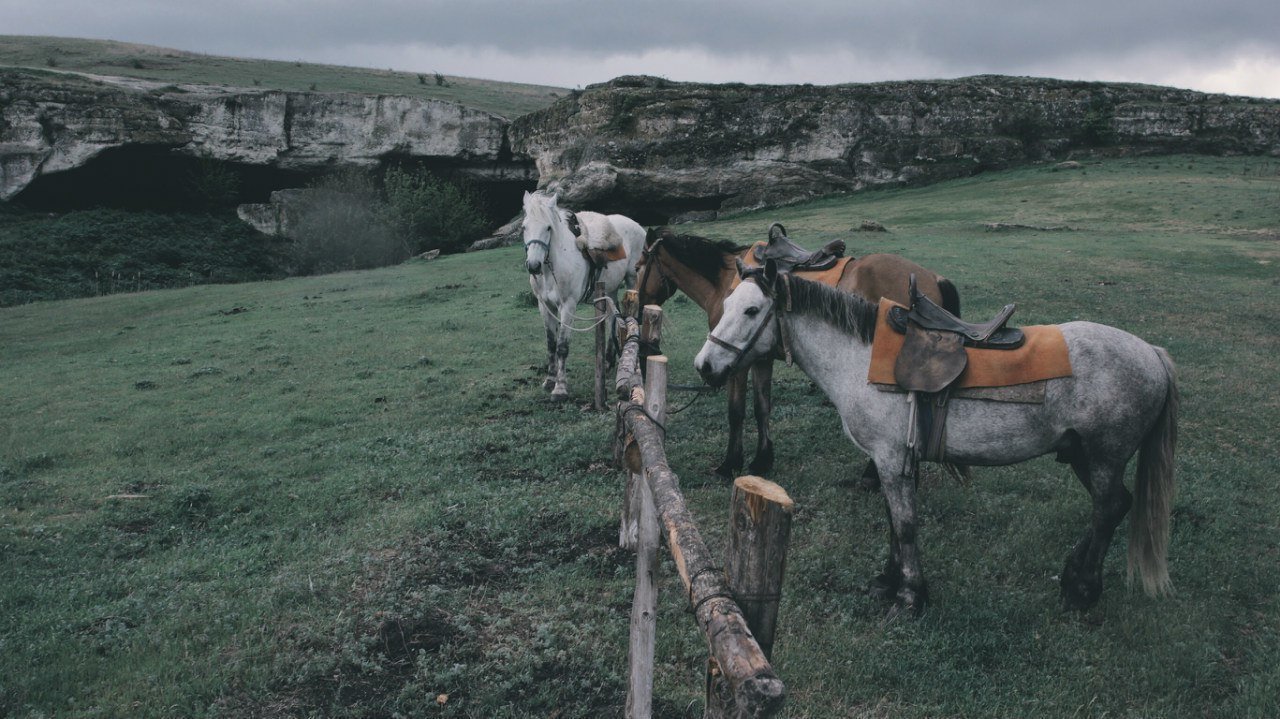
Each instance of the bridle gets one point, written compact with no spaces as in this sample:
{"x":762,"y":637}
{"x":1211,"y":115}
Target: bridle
{"x":650,"y":257}
{"x":546,"y":246}
{"x":772,"y":315}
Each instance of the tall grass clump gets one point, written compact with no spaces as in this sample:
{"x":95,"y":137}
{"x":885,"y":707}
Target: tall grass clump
{"x":349,"y":220}
{"x":343,"y":224}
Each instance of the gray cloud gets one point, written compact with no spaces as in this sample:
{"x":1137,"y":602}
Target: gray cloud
{"x":1004,"y":36}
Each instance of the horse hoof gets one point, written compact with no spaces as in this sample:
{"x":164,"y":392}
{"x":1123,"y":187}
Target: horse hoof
{"x":883,"y":588}
{"x":560,"y":395}
{"x":762,"y":463}
{"x":723,"y":472}
{"x":911,"y":602}
{"x":1079,"y":591}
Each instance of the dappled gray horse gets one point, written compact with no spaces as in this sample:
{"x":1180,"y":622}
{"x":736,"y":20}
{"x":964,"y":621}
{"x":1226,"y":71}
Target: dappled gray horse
{"x":1120,"y":400}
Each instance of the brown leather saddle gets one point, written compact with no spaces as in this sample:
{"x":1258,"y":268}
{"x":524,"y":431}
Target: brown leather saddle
{"x":791,"y":257}
{"x":933,"y":354}
{"x":931,"y":360}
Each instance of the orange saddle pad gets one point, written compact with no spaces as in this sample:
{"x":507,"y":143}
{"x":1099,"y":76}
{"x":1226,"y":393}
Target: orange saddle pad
{"x":828,"y":277}
{"x":1043,"y":356}
{"x":613,"y":254}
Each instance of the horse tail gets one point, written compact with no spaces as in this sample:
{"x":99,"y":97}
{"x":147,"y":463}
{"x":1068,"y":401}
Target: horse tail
{"x":1153,"y":489}
{"x":950,"y":296}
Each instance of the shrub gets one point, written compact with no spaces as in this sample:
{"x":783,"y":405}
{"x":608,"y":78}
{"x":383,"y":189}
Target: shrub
{"x":212,"y":184}
{"x":433,"y":213}
{"x":343,"y":224}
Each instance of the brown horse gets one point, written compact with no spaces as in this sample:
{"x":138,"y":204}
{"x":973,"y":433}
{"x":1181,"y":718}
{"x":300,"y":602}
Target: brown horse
{"x":706,"y":271}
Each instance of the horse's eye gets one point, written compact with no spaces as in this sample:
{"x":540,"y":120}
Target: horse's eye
{"x":752,"y":311}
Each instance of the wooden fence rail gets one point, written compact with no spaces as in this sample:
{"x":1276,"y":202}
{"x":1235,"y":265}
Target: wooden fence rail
{"x":740,"y":680}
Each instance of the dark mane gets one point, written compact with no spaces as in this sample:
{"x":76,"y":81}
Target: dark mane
{"x":705,"y":256}
{"x":851,"y":313}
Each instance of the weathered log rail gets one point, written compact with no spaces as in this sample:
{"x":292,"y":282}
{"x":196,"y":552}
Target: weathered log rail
{"x":740,"y":680}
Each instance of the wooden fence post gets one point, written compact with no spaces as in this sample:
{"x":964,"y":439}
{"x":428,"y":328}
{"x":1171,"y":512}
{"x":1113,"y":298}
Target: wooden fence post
{"x":644,"y":608}
{"x":631,"y":304}
{"x":650,"y":333}
{"x":601,"y":340}
{"x":755,"y":560}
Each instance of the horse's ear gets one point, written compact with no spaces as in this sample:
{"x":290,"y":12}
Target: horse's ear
{"x":777,"y":232}
{"x":770,"y":272}
{"x":650,"y":236}
{"x":742,"y":267}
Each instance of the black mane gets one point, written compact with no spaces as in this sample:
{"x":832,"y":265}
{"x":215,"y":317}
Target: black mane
{"x":851,"y":313}
{"x":703,"y":255}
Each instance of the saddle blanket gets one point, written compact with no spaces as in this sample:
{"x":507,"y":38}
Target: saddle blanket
{"x":613,"y":254}
{"x":609,"y":241}
{"x":830,"y":277}
{"x":1043,"y":356}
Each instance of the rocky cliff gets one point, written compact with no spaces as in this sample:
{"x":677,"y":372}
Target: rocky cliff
{"x":55,"y":122}
{"x":655,"y":148}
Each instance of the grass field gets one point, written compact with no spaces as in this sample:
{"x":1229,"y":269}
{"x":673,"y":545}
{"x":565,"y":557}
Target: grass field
{"x":348,"y":496}
{"x":106,"y":57}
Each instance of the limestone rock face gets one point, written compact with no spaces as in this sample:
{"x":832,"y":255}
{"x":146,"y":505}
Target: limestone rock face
{"x":647,"y":144}
{"x":51,"y":122}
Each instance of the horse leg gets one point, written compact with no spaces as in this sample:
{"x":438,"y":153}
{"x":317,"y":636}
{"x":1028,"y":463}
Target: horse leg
{"x":549,"y":324}
{"x":1081,"y":581}
{"x":762,"y":386}
{"x":737,"y":391}
{"x":900,"y":496}
{"x":560,"y":392}
{"x":885,"y":586}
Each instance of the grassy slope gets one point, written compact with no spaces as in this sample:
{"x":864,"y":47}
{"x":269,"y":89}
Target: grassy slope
{"x":104,"y":57}
{"x":356,"y":497}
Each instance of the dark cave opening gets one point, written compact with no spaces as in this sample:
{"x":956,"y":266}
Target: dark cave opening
{"x":157,"y":178}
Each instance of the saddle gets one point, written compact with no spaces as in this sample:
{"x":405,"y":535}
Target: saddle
{"x":933,"y":355}
{"x":792,"y":257}
{"x":931,"y":361}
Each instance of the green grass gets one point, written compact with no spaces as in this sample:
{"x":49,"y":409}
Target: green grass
{"x":355,"y":497}
{"x":105,"y":57}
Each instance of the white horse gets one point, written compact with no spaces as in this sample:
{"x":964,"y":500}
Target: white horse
{"x":1120,"y":400}
{"x":561,"y":277}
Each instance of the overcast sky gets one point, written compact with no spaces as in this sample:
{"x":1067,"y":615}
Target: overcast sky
{"x":1230,"y":46}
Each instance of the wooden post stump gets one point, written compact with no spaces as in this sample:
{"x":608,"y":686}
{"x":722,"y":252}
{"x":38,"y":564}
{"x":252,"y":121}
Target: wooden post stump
{"x":601,"y":344}
{"x":755,"y":561}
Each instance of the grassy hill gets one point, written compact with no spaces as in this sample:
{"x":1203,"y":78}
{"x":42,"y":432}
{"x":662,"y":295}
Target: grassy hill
{"x":106,"y":57}
{"x":348,"y":495}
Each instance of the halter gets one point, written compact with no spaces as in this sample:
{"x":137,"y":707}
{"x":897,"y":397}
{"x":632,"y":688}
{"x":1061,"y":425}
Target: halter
{"x":771,"y":315}
{"x":650,"y":255}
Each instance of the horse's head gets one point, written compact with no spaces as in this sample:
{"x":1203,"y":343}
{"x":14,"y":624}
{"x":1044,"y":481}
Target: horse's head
{"x":747,"y":330}
{"x":540,"y":216}
{"x":654,"y":286}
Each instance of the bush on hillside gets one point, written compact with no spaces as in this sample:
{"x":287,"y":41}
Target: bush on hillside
{"x":344,"y":224}
{"x":349,"y":222}
{"x":432,"y":213}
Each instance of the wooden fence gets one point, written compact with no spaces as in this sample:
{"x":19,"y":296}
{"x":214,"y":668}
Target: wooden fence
{"x":736,"y":605}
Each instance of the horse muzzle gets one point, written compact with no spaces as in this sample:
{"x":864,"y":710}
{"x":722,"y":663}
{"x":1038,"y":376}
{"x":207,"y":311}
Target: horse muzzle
{"x":533,"y":267}
{"x":712,"y":377}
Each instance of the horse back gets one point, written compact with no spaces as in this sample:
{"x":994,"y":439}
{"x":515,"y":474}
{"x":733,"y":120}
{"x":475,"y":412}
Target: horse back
{"x":888,"y":276}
